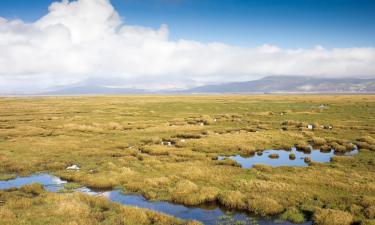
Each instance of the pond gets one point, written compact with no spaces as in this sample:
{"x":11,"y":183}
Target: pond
{"x":283,"y":160}
{"x":207,"y":214}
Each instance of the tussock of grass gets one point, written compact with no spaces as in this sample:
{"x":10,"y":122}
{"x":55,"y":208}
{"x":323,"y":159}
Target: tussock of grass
{"x":307,"y":160}
{"x":232,"y":199}
{"x":6,"y":177}
{"x":273,"y":156}
{"x":293,"y":215}
{"x":302,"y":146}
{"x":337,"y":147}
{"x":156,"y":150}
{"x":264,"y":206}
{"x":370,"y":212}
{"x":344,"y":159}
{"x":32,"y":205}
{"x":189,"y":136}
{"x":367,"y":139}
{"x":319,"y":141}
{"x":332,"y":217}
{"x":72,"y":185}
{"x":325,"y":148}
{"x":189,"y":193}
{"x":228,"y":162}
{"x":262,"y":167}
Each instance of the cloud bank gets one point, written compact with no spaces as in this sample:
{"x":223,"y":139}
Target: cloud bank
{"x":87,"y":40}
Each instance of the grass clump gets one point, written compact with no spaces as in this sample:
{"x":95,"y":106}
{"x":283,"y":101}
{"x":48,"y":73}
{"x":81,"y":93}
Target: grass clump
{"x":188,"y":136}
{"x":332,"y":217}
{"x":228,"y":162}
{"x":264,"y":206}
{"x":307,"y":160}
{"x":156,"y":150}
{"x":24,"y":206}
{"x":302,"y":146}
{"x":343,"y":159}
{"x":367,"y":139}
{"x":293,"y":215}
{"x":292,"y":156}
{"x":325,"y":148}
{"x":274,"y":156}
{"x":262,"y":167}
{"x":72,"y":186}
{"x":338,"y":147}
{"x":232,"y":199}
{"x":6,"y":177}
{"x":183,"y":191}
{"x":319,"y":141}
{"x":370,"y":212}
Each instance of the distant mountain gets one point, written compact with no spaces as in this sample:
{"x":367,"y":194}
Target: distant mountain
{"x":291,"y":84}
{"x":88,"y":90}
{"x":272,"y":84}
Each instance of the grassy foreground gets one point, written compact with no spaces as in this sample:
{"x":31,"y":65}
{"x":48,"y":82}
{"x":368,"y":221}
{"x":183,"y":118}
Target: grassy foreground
{"x":165,"y":147}
{"x":33,"y":205}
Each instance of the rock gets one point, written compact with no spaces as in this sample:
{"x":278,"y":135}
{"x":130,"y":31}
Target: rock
{"x":323,"y":107}
{"x":73,"y":167}
{"x":167,"y":143}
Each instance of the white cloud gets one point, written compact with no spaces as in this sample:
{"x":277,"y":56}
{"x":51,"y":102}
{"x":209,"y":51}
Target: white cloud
{"x":86,"y":39}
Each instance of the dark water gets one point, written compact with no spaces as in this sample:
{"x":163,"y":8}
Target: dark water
{"x":207,"y":214}
{"x":283,"y":160}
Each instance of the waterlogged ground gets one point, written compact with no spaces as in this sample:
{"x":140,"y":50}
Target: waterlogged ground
{"x":165,"y":148}
{"x":209,"y":214}
{"x":283,"y":157}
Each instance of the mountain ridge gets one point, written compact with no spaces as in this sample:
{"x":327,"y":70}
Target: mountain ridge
{"x":288,"y":84}
{"x":270,"y":84}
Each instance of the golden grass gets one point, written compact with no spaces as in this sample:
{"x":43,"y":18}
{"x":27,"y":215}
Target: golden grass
{"x":116,"y":140}
{"x":32,"y":205}
{"x":332,"y":217}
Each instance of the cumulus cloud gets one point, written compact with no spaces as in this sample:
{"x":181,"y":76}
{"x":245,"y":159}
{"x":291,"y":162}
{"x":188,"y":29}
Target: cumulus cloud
{"x":86,"y":39}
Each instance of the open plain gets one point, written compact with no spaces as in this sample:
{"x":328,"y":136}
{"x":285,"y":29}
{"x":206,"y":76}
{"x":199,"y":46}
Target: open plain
{"x":167,"y":148}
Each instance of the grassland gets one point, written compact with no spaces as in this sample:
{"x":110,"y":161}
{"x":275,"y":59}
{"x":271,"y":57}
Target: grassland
{"x":33,"y":205}
{"x":165,"y":147}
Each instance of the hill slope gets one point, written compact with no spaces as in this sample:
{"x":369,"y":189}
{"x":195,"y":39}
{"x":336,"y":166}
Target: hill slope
{"x":291,"y":84}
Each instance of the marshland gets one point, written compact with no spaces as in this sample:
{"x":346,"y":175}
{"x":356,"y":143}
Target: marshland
{"x":181,"y":149}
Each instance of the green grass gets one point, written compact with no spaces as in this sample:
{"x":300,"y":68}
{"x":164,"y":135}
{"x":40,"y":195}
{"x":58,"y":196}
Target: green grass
{"x":116,"y":141}
{"x":293,"y":215}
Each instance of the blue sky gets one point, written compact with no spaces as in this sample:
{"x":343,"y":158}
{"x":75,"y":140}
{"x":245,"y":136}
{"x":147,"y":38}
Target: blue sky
{"x":206,"y":42}
{"x":249,"y":23}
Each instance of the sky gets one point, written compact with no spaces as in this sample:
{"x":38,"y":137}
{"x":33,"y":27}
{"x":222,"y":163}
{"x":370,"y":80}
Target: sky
{"x":158,"y":44}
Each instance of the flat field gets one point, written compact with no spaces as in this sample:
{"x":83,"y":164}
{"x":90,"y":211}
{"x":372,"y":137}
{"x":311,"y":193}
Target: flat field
{"x":166,"y":148}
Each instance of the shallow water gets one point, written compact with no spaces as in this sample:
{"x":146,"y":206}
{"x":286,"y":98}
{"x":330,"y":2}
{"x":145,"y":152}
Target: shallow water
{"x":50,"y":183}
{"x":207,"y":214}
{"x":283,"y":160}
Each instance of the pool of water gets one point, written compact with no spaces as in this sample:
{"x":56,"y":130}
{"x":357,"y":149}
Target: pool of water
{"x":283,"y":160}
{"x":207,"y":214}
{"x":50,"y":183}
